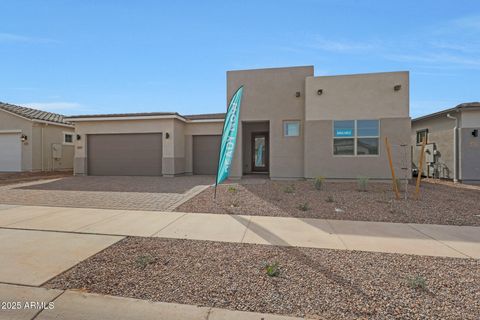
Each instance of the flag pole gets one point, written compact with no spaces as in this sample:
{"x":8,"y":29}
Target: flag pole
{"x":220,"y":150}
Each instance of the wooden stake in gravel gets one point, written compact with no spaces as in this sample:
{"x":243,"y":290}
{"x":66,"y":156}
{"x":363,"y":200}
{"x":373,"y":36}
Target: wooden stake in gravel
{"x":420,"y":168}
{"x":395,"y":187}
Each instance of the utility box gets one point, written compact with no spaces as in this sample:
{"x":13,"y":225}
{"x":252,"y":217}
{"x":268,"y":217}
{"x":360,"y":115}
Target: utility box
{"x":56,"y":151}
{"x":430,"y":153}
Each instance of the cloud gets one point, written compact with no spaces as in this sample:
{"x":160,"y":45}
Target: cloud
{"x":59,"y":107}
{"x":341,"y":46}
{"x":471,"y":23}
{"x":441,"y":58}
{"x":11,"y":37}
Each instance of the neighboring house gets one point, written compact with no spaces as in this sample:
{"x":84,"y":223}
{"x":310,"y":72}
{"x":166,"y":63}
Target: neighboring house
{"x":453,"y":143}
{"x":292,"y":125}
{"x":34,"y":140}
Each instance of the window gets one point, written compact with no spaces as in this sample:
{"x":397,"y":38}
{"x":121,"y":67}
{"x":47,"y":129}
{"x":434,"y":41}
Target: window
{"x":343,"y":141}
{"x":367,"y":137}
{"x":356,"y":137}
{"x":422,"y":134}
{"x":291,"y":128}
{"x":67,"y":138}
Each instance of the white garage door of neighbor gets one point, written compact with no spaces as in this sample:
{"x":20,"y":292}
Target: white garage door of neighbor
{"x":10,"y":152}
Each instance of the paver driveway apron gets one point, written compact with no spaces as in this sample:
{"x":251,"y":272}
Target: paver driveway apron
{"x":124,"y":193}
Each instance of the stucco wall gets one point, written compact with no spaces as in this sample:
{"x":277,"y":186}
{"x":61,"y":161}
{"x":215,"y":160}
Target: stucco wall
{"x":270,"y":95}
{"x":470,"y":118}
{"x":320,"y":161}
{"x":359,"y":96}
{"x":12,"y":122}
{"x":51,"y":134}
{"x":440,"y":133}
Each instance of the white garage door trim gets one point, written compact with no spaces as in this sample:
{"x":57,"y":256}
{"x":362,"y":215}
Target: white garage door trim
{"x":10,"y":151}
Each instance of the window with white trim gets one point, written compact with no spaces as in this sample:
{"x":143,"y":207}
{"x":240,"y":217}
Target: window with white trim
{"x":67,"y":138}
{"x":356,"y":137}
{"x":291,"y":128}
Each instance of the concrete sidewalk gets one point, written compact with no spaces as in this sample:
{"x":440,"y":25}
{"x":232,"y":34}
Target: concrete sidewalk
{"x":76,"y":305}
{"x":432,"y":240}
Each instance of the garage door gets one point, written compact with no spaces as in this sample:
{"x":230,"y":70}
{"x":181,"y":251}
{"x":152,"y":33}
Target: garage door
{"x":125,"y":154}
{"x":205,"y":154}
{"x":10,"y":152}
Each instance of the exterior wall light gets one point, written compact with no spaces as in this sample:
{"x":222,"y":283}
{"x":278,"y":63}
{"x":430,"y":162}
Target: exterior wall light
{"x":167,"y":135}
{"x":320,"y":92}
{"x":397,"y":87}
{"x":79,"y":137}
{"x":24,"y":137}
{"x":297,"y":94}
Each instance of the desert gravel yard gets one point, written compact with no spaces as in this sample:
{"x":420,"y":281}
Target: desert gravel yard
{"x":317,"y":283}
{"x":439,"y":204}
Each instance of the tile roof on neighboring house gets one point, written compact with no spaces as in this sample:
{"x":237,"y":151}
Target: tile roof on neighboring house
{"x":466,"y":105}
{"x":34,"y":114}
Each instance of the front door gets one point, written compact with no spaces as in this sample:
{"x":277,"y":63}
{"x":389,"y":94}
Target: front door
{"x":260,"y":151}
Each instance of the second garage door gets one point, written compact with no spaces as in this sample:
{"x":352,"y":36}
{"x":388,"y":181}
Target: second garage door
{"x":205,"y":154}
{"x":125,"y":154}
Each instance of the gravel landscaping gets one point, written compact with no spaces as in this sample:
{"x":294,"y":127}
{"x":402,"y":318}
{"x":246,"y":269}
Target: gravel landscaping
{"x":317,"y":283}
{"x":439,"y":204}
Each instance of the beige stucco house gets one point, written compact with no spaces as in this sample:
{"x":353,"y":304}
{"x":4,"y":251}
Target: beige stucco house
{"x":34,"y":140}
{"x":452,"y":143}
{"x":292,"y":125}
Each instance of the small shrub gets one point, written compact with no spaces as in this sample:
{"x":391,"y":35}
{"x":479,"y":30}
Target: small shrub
{"x":418,"y":282}
{"x":289,"y":189}
{"x":272,"y":270}
{"x":319,"y":182}
{"x":329,"y":199}
{"x":235,"y":204}
{"x":362,"y":183}
{"x":144,"y":260}
{"x":398,"y":183}
{"x":232,"y":189}
{"x":303,"y":206}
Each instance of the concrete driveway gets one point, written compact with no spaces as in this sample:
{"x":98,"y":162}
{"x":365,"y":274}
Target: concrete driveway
{"x":127,"y":193}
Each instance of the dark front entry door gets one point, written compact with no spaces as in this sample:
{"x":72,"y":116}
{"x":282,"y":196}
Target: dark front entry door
{"x":260,"y":156}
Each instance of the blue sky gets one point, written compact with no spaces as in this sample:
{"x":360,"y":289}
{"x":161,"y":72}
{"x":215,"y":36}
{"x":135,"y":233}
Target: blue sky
{"x":111,"y":56}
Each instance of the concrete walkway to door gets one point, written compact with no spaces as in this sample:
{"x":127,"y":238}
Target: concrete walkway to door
{"x":418,"y":239}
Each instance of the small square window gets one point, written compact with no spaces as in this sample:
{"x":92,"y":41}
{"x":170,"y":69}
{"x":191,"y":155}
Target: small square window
{"x":421,"y":135}
{"x":291,"y":128}
{"x":68,"y":138}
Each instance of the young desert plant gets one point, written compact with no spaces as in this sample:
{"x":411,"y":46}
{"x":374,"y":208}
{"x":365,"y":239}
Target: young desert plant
{"x":144,"y":260}
{"x":319,"y":181}
{"x":362,"y":183}
{"x":417,"y":282}
{"x":303,"y":206}
{"x":398,"y":183}
{"x":232,"y":189}
{"x":330,"y":199}
{"x":289,"y":189}
{"x":272,"y":269}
